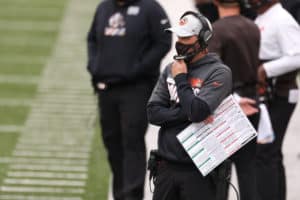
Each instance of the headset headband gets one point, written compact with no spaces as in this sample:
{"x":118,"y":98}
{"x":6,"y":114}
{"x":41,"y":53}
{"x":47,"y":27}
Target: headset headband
{"x":206,"y":30}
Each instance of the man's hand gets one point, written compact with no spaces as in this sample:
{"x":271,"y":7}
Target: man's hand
{"x":247,"y":106}
{"x":209,"y":120}
{"x":261,"y":75}
{"x":178,"y":67}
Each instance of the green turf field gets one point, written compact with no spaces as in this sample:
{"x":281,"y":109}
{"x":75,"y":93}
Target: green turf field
{"x":28,"y":34}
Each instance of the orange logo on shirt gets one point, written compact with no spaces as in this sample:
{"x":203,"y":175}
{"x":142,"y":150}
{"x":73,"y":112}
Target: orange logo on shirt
{"x":196,"y":82}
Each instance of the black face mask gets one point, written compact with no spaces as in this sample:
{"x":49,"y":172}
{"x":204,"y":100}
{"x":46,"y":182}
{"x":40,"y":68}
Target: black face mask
{"x":183,"y":50}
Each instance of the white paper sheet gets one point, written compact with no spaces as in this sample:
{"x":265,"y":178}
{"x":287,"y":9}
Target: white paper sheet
{"x":209,"y":145}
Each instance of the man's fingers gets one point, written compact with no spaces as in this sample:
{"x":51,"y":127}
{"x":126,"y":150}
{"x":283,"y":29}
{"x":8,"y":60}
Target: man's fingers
{"x":246,"y":100}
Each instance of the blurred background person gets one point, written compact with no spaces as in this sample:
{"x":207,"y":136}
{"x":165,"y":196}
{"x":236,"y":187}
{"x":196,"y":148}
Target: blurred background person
{"x":210,"y":10}
{"x":236,"y":40}
{"x":280,"y":59}
{"x":126,"y":43}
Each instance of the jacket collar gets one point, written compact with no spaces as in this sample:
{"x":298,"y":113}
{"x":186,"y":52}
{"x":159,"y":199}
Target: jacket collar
{"x":207,"y":59}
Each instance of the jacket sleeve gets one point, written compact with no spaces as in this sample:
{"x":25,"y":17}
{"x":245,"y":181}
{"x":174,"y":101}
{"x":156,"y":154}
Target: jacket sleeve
{"x":159,"y":109}
{"x":161,"y":41}
{"x":289,"y":42}
{"x":201,"y":105}
{"x":92,"y":44}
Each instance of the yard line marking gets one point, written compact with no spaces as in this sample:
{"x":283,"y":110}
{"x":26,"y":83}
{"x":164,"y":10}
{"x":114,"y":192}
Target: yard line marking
{"x":53,"y":148}
{"x":51,"y":154}
{"x":43,"y":182}
{"x":44,"y":161}
{"x":23,"y":197}
{"x":46,"y":174}
{"x":50,"y":190}
{"x":59,"y":168}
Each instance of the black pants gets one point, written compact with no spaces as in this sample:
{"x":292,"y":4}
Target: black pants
{"x":124,"y":122}
{"x":270,"y":169}
{"x":245,"y":163}
{"x":177,"y":182}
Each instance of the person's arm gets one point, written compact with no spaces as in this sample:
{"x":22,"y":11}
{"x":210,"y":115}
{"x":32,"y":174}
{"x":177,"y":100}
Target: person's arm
{"x":201,"y":106}
{"x":161,"y":41}
{"x":92,"y":45}
{"x":289,"y":42}
{"x":196,"y":109}
{"x":159,"y":109}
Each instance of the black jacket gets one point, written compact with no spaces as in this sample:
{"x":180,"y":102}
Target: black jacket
{"x":126,"y":43}
{"x":176,"y":103}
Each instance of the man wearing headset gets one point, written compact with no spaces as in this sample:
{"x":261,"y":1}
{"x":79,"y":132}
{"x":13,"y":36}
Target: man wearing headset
{"x":280,"y":58}
{"x":189,"y":90}
{"x":236,"y":40}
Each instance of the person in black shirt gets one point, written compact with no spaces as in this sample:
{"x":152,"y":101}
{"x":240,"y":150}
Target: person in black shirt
{"x":126,"y":43}
{"x":237,"y":39}
{"x":189,"y":90}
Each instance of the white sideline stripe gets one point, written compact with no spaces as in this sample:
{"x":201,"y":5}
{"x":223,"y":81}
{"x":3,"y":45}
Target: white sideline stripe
{"x":15,"y":102}
{"x":22,"y":197}
{"x":43,"y":161}
{"x":10,"y":128}
{"x":50,"y":175}
{"x":19,"y":79}
{"x":43,"y":182}
{"x":59,"y":168}
{"x":41,"y":190}
{"x":53,"y":148}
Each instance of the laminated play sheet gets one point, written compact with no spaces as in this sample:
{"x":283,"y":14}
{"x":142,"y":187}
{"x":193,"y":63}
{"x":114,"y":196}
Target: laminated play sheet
{"x":209,"y":144}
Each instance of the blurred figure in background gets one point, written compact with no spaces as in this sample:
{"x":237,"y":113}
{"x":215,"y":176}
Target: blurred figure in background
{"x":210,"y":10}
{"x":126,"y":43}
{"x":236,"y":40}
{"x":280,"y":58}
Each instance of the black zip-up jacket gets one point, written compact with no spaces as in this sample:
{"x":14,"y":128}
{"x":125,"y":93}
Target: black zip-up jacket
{"x":192,"y":97}
{"x":126,"y":43}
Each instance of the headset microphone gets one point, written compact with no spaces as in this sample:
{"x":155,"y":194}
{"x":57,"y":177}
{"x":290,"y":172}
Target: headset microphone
{"x":180,"y":57}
